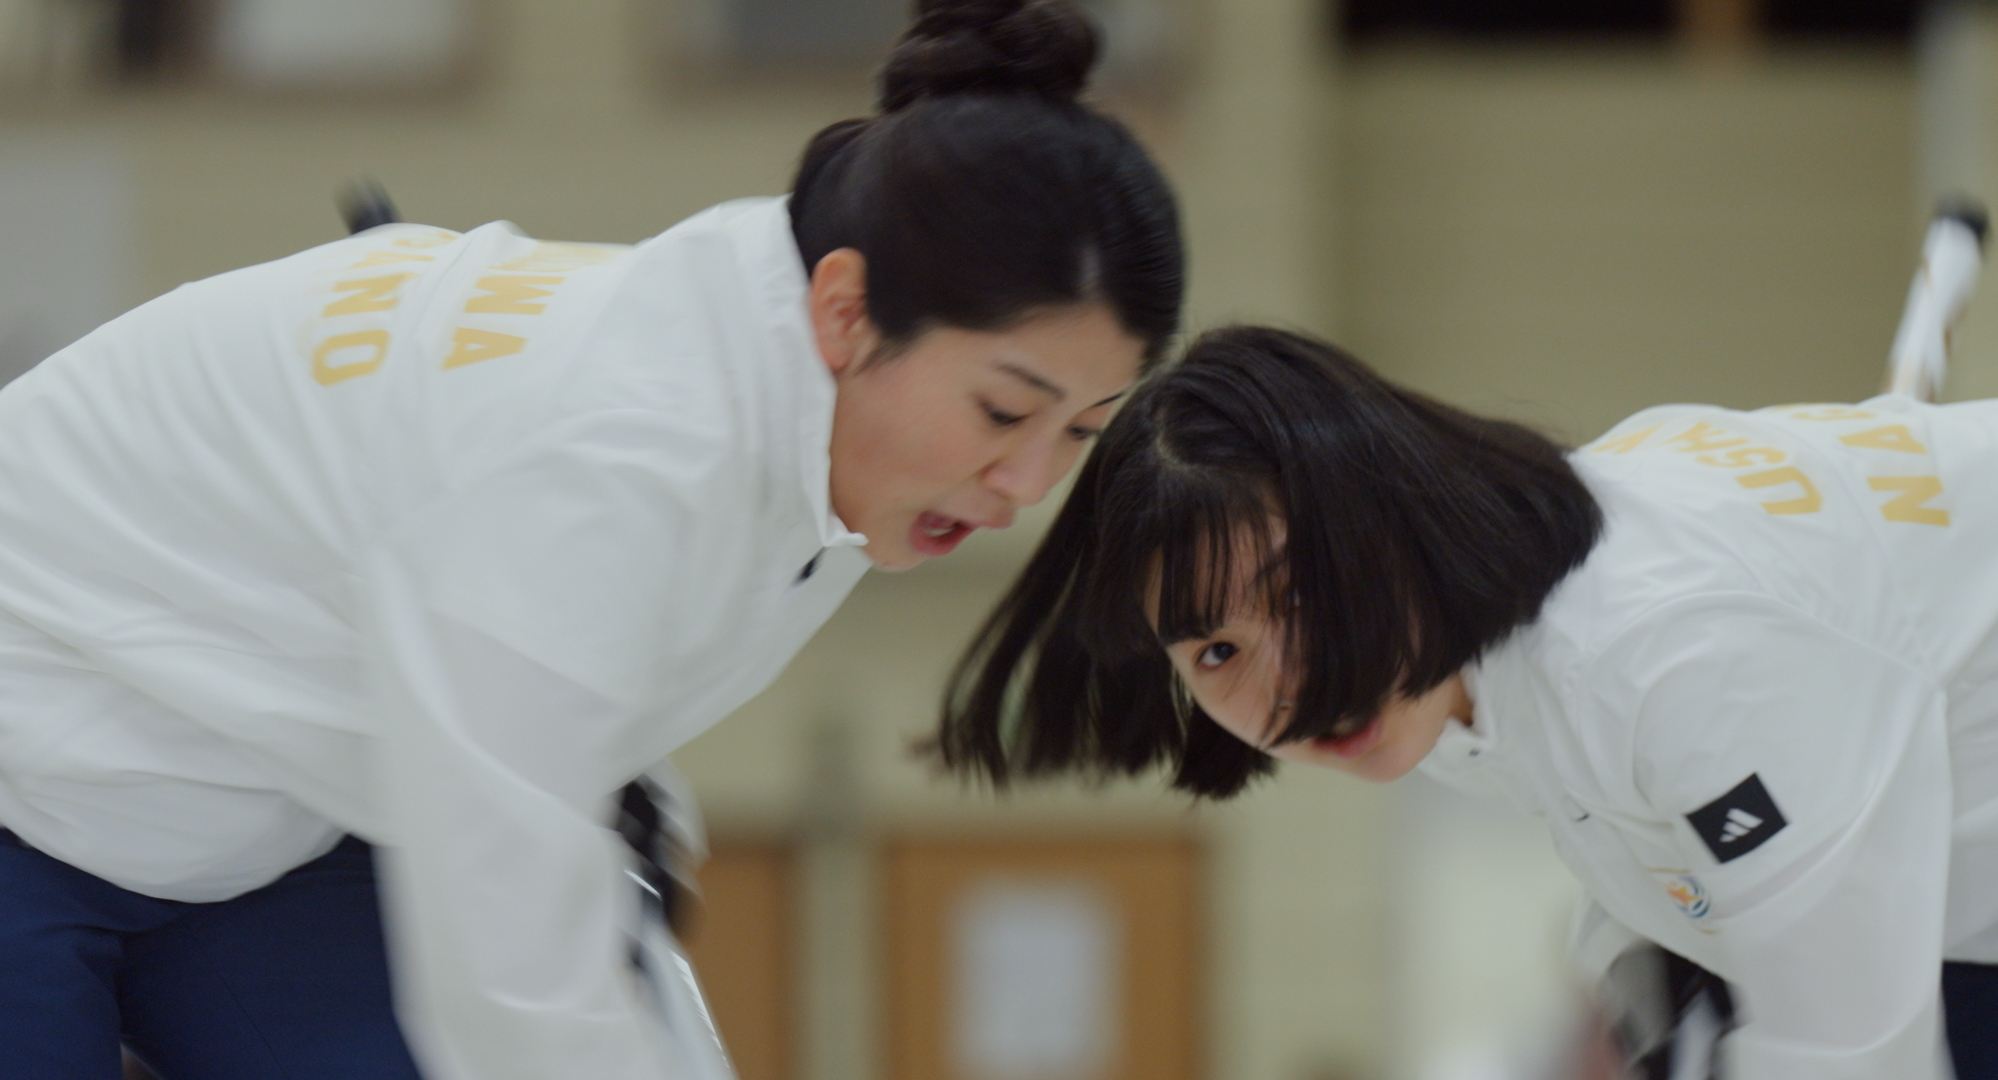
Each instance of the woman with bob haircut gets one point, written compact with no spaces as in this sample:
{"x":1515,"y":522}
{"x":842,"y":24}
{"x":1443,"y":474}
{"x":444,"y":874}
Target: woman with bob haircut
{"x":1744,"y":663}
{"x":419,"y":549}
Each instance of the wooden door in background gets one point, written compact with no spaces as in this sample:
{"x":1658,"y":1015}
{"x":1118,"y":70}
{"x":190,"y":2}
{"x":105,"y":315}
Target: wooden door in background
{"x":741,"y":943}
{"x":1043,"y":959}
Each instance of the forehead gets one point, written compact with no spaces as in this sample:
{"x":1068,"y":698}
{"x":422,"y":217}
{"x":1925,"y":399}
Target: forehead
{"x":1079,"y":353}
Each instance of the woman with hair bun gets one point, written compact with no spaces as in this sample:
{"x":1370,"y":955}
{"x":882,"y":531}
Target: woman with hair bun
{"x":418,"y":550}
{"x":1744,"y":664}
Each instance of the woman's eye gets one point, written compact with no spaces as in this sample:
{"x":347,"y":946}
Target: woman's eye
{"x":1084,"y":434}
{"x":1215,"y":655}
{"x":999,"y":417}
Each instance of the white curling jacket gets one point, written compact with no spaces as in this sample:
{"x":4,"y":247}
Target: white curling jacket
{"x":437,"y":539}
{"x":1762,"y":717}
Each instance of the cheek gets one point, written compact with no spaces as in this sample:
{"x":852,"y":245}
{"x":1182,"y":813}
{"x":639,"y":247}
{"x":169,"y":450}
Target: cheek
{"x":1237,"y":715}
{"x":1071,"y":452}
{"x":931,"y":426}
{"x":896,"y":445}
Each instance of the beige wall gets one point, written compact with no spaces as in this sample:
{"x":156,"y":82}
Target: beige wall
{"x":1567,"y":237}
{"x":568,"y":132}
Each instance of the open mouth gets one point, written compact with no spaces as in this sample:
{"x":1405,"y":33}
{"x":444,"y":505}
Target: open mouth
{"x":934,"y":534}
{"x":1351,"y":746}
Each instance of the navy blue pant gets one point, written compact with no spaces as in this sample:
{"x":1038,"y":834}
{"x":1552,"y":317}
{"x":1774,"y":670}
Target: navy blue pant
{"x":1970,"y":1010}
{"x":289,"y":982}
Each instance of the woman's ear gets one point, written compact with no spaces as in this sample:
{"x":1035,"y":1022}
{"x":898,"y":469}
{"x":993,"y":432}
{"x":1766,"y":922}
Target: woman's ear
{"x":838,"y":303}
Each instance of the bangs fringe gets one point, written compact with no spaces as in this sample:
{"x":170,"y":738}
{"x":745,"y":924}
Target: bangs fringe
{"x":1172,"y":558}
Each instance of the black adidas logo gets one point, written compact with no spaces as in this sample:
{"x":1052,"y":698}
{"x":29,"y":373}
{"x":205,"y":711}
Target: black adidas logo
{"x":1738,"y":822}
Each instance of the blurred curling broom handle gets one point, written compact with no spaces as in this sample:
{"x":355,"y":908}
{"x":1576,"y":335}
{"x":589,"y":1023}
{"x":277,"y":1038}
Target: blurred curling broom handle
{"x":364,"y":204}
{"x":1951,"y":258}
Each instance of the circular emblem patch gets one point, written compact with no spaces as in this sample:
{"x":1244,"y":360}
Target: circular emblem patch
{"x":1691,"y":896}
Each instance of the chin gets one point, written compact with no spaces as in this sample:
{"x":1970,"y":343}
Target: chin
{"x":1384,"y":771}
{"x":892,"y":559}
{"x":1380,"y":766}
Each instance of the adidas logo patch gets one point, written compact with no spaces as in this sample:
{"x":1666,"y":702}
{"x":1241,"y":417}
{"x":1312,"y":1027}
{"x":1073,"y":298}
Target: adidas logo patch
{"x":1738,"y":822}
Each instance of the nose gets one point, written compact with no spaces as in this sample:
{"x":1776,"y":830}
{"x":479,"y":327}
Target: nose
{"x":1025,"y":475}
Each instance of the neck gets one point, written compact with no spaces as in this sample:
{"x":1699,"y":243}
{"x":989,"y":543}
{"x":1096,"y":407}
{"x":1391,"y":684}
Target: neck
{"x":1462,"y":708}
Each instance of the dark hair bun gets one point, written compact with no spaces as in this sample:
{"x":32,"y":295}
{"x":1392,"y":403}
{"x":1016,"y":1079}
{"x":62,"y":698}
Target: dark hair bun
{"x":1043,"y":47}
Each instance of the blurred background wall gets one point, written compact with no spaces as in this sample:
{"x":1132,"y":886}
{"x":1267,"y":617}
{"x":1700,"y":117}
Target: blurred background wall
{"x":1557,"y":211}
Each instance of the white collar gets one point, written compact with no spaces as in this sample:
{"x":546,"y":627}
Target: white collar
{"x":1463,"y":751}
{"x":761,"y":230}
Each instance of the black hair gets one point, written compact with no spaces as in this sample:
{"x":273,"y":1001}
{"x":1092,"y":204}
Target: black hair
{"x":1413,"y":537}
{"x":985,"y":191}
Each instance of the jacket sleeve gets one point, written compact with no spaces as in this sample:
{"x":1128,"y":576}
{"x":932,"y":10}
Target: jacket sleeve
{"x":514,"y":632}
{"x":1828,"y":888}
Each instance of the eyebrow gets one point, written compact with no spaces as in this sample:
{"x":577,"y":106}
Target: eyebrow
{"x":1031,"y":379}
{"x":1046,"y":387}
